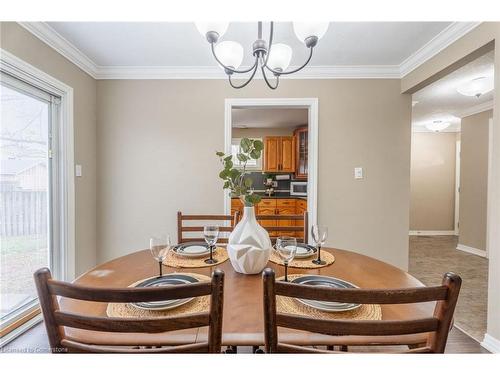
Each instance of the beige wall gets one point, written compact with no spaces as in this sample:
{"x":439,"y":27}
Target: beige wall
{"x":261,"y":132}
{"x":474,"y":180}
{"x":24,"y":45}
{"x":156,"y":144}
{"x":432,"y":203}
{"x":429,"y":71}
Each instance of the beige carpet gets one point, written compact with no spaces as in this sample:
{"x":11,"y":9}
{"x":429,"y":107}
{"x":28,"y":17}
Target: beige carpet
{"x":432,"y":256}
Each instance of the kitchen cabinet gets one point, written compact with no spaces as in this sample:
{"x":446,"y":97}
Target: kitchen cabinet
{"x":279,"y":154}
{"x":301,"y":152}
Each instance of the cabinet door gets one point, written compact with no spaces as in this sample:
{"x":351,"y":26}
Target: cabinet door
{"x":287,"y":163}
{"x":268,"y":223}
{"x":301,"y":152}
{"x":271,"y":154}
{"x":286,"y":222}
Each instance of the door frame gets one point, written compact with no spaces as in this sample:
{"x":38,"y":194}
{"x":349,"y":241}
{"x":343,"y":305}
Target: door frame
{"x":63,"y":210}
{"x":311,"y":104}
{"x":458,"y":145}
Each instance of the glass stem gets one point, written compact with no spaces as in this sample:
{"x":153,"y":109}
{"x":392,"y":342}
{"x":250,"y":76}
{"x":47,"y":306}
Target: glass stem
{"x":211,"y":251}
{"x":319,"y":253}
{"x":286,"y":271}
{"x":159,"y":264}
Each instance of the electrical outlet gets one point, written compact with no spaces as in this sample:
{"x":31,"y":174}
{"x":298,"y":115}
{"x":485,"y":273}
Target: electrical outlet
{"x":358,"y":173}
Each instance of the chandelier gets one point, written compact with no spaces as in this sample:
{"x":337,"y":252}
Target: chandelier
{"x":273,"y":59}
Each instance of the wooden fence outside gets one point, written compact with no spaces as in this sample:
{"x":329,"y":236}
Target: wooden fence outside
{"x":23,"y":213}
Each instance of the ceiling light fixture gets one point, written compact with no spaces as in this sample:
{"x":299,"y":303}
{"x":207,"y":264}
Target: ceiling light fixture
{"x":476,"y":87}
{"x":275,"y":58}
{"x":437,"y":126}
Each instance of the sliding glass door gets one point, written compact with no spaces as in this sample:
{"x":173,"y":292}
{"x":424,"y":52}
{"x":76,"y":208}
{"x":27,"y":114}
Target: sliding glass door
{"x":28,"y":119}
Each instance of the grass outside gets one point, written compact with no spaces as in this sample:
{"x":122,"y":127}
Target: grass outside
{"x":20,"y":257}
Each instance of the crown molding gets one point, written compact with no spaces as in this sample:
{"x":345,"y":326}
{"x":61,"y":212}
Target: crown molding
{"x":446,"y":37}
{"x":478,"y":108}
{"x":53,"y":39}
{"x":214,"y":72}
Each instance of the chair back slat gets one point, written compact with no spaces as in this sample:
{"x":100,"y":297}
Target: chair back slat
{"x":197,"y":228}
{"x":56,"y":319}
{"x":157,"y":325}
{"x":364,"y":296}
{"x":357,"y":327}
{"x":127,"y":295}
{"x":85,"y":348}
{"x":437,"y":325}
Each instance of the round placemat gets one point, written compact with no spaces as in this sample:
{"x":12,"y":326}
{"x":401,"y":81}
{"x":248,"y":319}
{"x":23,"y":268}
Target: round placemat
{"x":289,"y":305}
{"x":328,"y":257}
{"x":126,"y":310}
{"x":177,"y":261}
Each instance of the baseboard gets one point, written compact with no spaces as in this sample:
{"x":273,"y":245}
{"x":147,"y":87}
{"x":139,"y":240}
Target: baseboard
{"x":471,"y":250}
{"x":466,"y":333}
{"x":432,"y":233}
{"x":491,"y":344}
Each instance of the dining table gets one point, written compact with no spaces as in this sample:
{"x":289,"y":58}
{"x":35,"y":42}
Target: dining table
{"x":243,"y":321}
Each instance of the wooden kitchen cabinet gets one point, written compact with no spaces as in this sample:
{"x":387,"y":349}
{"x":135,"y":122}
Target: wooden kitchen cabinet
{"x":279,"y":154}
{"x":301,"y":152}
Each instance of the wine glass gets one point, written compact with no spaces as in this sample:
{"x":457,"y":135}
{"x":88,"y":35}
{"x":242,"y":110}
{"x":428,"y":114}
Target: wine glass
{"x":211,"y":233}
{"x":160,"y":246}
{"x":319,"y":234}
{"x":286,"y":247}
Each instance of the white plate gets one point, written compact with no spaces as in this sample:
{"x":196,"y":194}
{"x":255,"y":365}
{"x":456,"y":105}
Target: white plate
{"x":192,"y":250}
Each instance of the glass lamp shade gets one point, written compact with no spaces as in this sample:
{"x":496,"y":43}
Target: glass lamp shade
{"x":304,"y":30}
{"x":229,"y":53}
{"x":218,"y":27}
{"x":437,"y":126}
{"x":279,"y":57}
{"x":476,"y":87}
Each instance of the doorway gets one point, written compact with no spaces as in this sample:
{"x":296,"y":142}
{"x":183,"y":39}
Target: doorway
{"x":307,"y":104}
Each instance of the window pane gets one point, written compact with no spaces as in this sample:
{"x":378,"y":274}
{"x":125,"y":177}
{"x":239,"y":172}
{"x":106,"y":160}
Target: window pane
{"x":24,"y":189}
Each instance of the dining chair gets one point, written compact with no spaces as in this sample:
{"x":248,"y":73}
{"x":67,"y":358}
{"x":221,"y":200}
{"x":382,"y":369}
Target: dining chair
{"x":56,"y":320}
{"x":289,"y":225}
{"x":209,"y":219}
{"x":436,"y":325}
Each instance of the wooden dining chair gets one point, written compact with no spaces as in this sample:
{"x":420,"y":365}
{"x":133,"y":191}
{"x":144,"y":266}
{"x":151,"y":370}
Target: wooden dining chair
{"x":437,"y":326}
{"x":209,"y":219}
{"x":49,"y":289}
{"x":286,"y":225}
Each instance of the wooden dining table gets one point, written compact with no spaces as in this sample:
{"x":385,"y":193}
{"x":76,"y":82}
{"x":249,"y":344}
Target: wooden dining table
{"x":243,"y":322}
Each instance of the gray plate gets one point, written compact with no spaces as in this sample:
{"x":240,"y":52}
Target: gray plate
{"x":170,"y":279}
{"x":304,"y":251}
{"x":326,"y":281}
{"x":192,"y":249}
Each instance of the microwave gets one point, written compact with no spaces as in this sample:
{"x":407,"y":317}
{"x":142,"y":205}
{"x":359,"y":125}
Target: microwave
{"x":298,"y":188}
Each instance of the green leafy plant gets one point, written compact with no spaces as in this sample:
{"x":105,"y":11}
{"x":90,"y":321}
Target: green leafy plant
{"x":236,"y":179}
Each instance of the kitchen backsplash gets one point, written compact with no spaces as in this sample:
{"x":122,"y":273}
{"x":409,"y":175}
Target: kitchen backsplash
{"x":259,"y":178}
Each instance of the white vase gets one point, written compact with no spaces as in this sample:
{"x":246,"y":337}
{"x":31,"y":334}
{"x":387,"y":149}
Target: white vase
{"x":249,"y":245}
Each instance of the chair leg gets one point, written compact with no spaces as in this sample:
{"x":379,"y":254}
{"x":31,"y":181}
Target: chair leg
{"x":343,"y":348}
{"x":330,"y":347}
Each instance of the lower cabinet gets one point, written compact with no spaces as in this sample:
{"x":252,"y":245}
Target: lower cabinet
{"x":274,"y":206}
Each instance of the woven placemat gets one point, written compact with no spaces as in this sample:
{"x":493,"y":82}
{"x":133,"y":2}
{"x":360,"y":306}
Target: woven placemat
{"x":328,"y":257}
{"x":177,"y":261}
{"x":290,"y":305}
{"x":126,"y":310}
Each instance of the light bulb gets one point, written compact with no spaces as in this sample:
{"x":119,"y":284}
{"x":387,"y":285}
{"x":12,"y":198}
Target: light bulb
{"x":229,"y":53}
{"x":476,"y":87}
{"x":437,"y":126}
{"x":308,"y":31}
{"x":279,"y":57}
{"x":212,"y":30}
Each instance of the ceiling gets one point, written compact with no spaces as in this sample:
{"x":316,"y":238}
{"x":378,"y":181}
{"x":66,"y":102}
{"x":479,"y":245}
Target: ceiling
{"x":175,"y":50}
{"x":268,"y":117}
{"x":441,"y":101}
{"x":180,"y":44}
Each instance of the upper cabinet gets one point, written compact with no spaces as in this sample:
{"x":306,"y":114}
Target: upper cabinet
{"x":301,"y":152}
{"x":279,"y":154}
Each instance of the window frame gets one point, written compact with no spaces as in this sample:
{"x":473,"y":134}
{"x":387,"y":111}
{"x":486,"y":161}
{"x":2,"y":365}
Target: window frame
{"x":254,"y":168}
{"x":62,"y":174}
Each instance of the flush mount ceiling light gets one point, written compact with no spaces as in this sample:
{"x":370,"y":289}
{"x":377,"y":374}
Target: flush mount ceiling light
{"x":273,"y":58}
{"x":437,"y":126}
{"x":476,"y":87}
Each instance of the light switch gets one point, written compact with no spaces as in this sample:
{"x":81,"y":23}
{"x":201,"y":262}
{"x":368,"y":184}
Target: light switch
{"x":358,"y":173}
{"x":78,"y":170}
